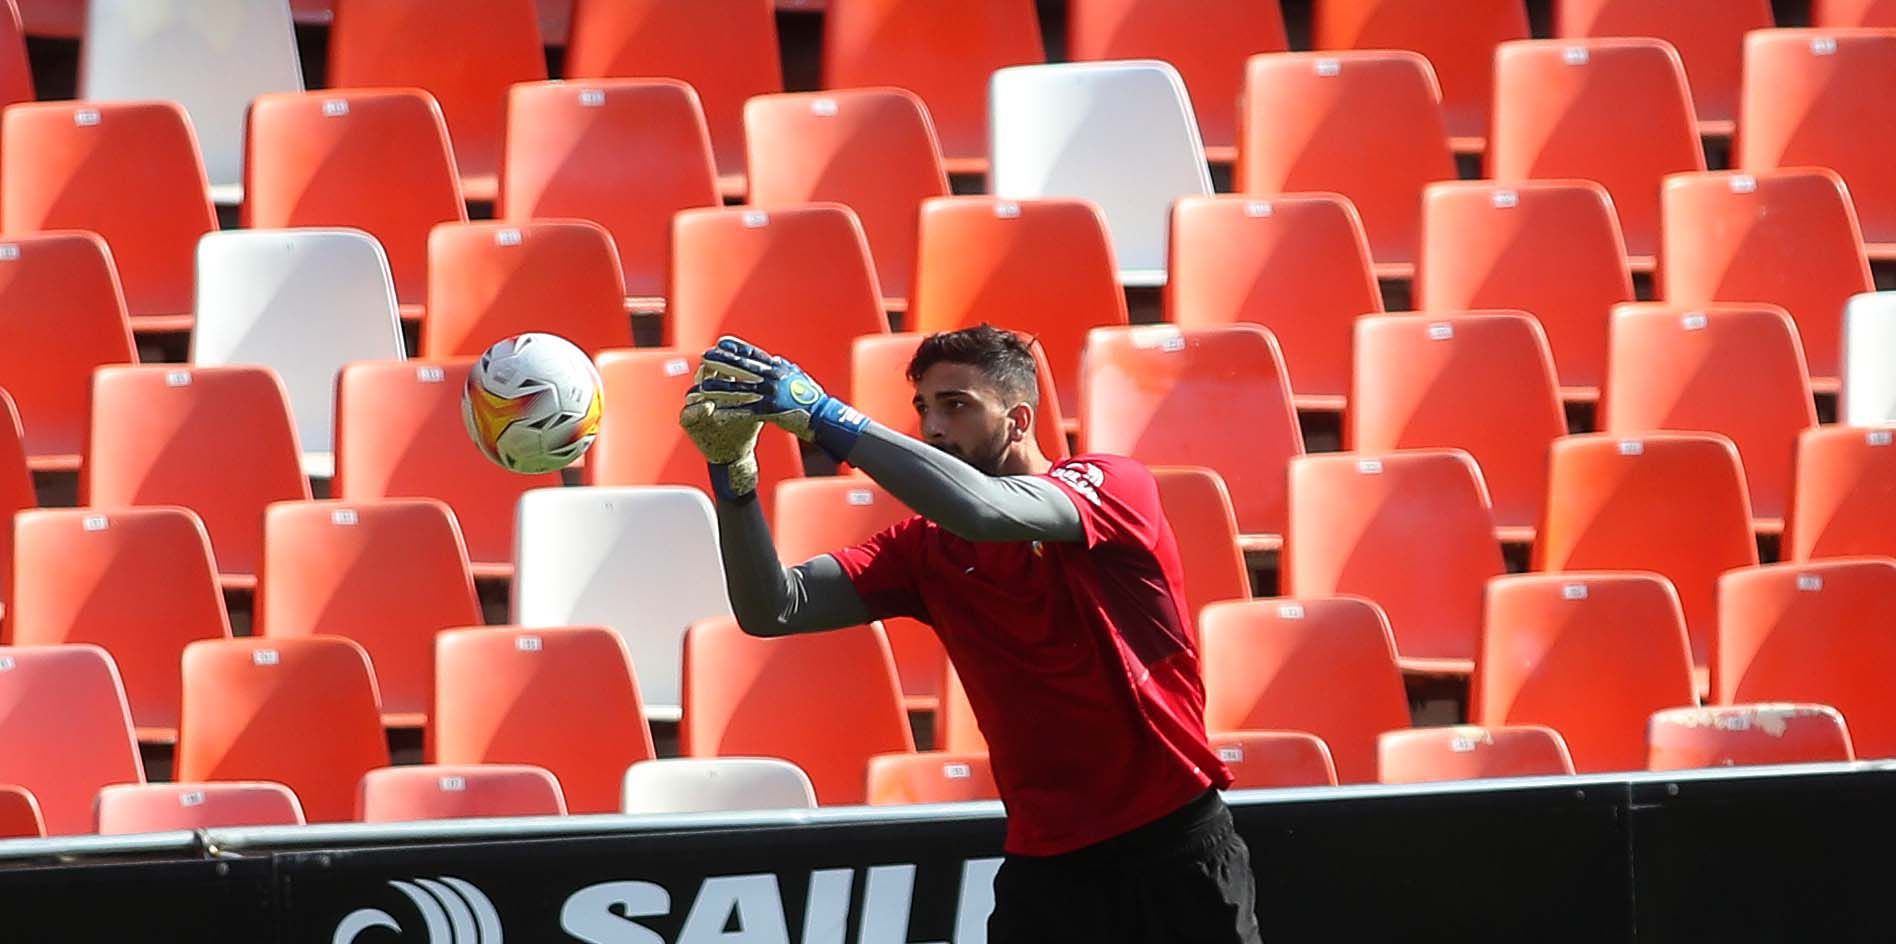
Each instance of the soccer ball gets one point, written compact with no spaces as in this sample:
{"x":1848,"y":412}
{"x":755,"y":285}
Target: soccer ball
{"x":532,"y":403}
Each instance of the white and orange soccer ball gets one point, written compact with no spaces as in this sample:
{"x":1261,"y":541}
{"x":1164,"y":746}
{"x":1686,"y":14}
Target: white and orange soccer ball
{"x":532,"y":403}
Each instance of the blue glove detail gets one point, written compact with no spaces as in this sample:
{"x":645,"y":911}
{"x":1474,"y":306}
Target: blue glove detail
{"x":742,"y":378}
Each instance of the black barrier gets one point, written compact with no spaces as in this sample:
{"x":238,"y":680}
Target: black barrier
{"x":193,"y":900}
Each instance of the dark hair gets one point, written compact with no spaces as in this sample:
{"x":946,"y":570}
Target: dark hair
{"x":1005,"y":358}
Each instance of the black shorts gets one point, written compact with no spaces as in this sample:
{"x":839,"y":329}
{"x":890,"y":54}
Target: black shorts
{"x":1184,"y":879}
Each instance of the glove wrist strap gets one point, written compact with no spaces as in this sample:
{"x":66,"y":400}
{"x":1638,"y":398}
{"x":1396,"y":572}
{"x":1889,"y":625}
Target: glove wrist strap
{"x":727,"y":491}
{"x":835,"y":426}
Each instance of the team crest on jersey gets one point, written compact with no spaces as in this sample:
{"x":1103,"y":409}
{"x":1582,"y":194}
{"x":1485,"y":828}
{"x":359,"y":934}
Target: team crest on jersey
{"x":1084,"y":477}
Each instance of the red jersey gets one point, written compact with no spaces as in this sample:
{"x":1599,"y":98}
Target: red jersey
{"x":1078,"y":658}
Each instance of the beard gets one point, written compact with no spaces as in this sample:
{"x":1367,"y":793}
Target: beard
{"x":986,"y":459}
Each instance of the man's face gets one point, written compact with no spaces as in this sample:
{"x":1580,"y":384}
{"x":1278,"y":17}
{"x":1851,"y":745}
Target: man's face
{"x":964,"y":415}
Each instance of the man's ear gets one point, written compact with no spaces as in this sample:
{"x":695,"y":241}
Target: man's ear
{"x":1020,"y":422}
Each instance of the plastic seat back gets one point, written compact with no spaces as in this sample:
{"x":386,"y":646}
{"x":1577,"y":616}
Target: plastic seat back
{"x":1709,"y":35}
{"x":446,"y":791}
{"x":61,"y":315}
{"x":1472,"y":752}
{"x":930,"y":777}
{"x":1198,"y":507}
{"x":67,"y":729}
{"x":16,"y":483}
{"x":488,"y":281}
{"x":1845,"y":498}
{"x":1264,"y":759}
{"x":716,"y":785}
{"x":1846,"y":14}
{"x":20,"y":813}
{"x":1460,"y":47}
{"x":1869,"y":346}
{"x":880,"y":388}
{"x":1742,"y":735}
{"x":162,"y":807}
{"x":16,"y":73}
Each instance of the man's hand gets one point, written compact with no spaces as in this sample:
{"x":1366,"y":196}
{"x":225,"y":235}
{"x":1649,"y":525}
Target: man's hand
{"x":728,"y":440}
{"x":742,"y":378}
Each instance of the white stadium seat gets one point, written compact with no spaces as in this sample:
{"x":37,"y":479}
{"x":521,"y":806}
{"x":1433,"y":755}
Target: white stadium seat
{"x":722,"y":784}
{"x":1869,"y":360}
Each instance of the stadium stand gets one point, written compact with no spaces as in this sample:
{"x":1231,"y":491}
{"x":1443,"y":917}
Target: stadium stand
{"x":62,"y":314}
{"x":697,"y":785}
{"x":488,"y":281}
{"x":157,"y":807}
{"x":76,"y":738}
{"x":442,"y":791}
{"x":929,"y":777}
{"x":1468,"y":752}
{"x":1732,"y":735}
{"x":1708,"y":34}
{"x":1841,"y":506}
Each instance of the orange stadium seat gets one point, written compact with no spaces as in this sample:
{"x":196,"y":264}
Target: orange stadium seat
{"x":930,"y":777}
{"x":943,"y":52}
{"x":388,"y":574}
{"x":873,"y":150}
{"x":1845,"y":14}
{"x":560,"y":698}
{"x":1326,"y":667}
{"x":1739,"y":735}
{"x":377,"y":160}
{"x":430,"y":44}
{"x":752,"y":697}
{"x":818,"y":515}
{"x":1298,"y":265}
{"x":1206,"y":42}
{"x":19,"y":810}
{"x":1731,"y":369}
{"x":1810,"y":100}
{"x":624,"y":153}
{"x":1548,"y":248}
{"x":725,"y":49}
{"x":1480,"y":381}
{"x":399,"y":434}
{"x":1786,"y":237}
{"x":1844,"y":499}
{"x":1708,"y":34}
{"x":1671,"y":503}
{"x":641,"y":443}
{"x":1411,"y":530}
{"x":162,"y":807}
{"x":67,"y":729}
{"x":64,"y":19}
{"x":1460,"y":47}
{"x":300,"y":712}
{"x":1816,"y":632}
{"x":61,"y":315}
{"x":1471,"y":752}
{"x":216,"y":440}
{"x":1367,"y":125}
{"x":1263,"y":759}
{"x":1040,"y":267}
{"x":16,"y":73}
{"x":880,"y":388}
{"x":1614,"y":111}
{"x":1591,"y":655}
{"x":487,"y":281}
{"x":956,"y":729}
{"x":16,"y":483}
{"x":137,"y":582}
{"x":1198,"y":508}
{"x":128,"y":171}
{"x":1215,"y":396}
{"x":430,"y":791}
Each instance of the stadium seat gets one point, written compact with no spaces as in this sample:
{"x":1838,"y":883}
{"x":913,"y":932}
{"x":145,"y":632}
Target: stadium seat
{"x":1180,"y":396}
{"x":388,"y":574}
{"x":432,"y":45}
{"x":1120,"y":134}
{"x":216,"y":440}
{"x":748,"y":696}
{"x":1367,"y":125}
{"x":1479,"y":381}
{"x":1731,"y":369}
{"x":1548,"y":248}
{"x":1844,"y":501}
{"x":212,"y":63}
{"x":586,"y":557}
{"x":1709,"y":35}
{"x":873,"y":150}
{"x":1198,"y":508}
{"x":797,"y":282}
{"x":1674,"y":504}
{"x":16,"y":73}
{"x":1741,"y":735}
{"x":1207,"y":42}
{"x":817,"y":515}
{"x":1786,"y":237}
{"x":16,"y":485}
{"x":1326,"y":667}
{"x":1869,"y":347}
{"x":1591,"y":655}
{"x":1460,"y":47}
{"x":1471,"y":752}
{"x":716,"y":785}
{"x":1846,"y":14}
{"x":956,"y":729}
{"x":377,"y":160}
{"x":1816,"y":631}
{"x":488,"y":281}
{"x":1411,"y":530}
{"x":1614,"y":111}
{"x":1043,"y":268}
{"x":430,"y":791}
{"x":399,"y":434}
{"x":19,"y":810}
{"x":641,"y":443}
{"x":930,"y":777}
{"x":880,"y":388}
{"x":943,"y":52}
{"x":128,"y":171}
{"x":562,"y":698}
{"x":624,"y":153}
{"x":162,"y":807}
{"x":137,"y":582}
{"x":725,"y":49}
{"x":62,"y":19}
{"x":1297,"y":264}
{"x":61,"y":315}
{"x":67,"y":729}
{"x":304,"y":303}
{"x":1264,"y":759}
{"x":300,"y":712}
